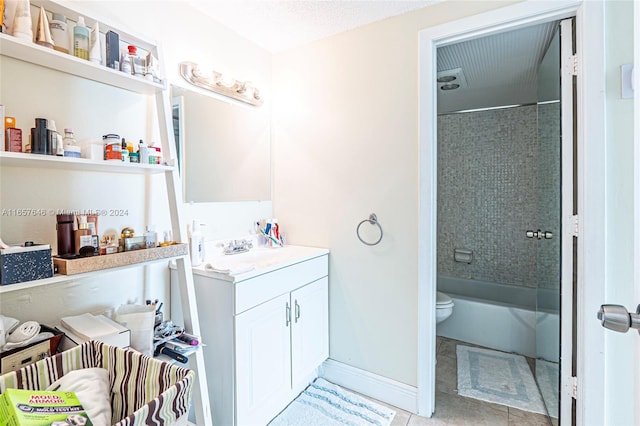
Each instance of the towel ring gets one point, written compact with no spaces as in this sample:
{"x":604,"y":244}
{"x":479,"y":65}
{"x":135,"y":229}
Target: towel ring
{"x":373,"y":219}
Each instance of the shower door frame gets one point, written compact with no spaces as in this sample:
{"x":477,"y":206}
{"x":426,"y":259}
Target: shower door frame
{"x":590,"y":155}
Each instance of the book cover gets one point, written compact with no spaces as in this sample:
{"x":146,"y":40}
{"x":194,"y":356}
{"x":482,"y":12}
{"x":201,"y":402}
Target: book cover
{"x":21,"y":407}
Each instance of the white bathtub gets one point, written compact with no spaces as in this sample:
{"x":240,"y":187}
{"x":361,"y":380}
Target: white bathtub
{"x":502,"y":317}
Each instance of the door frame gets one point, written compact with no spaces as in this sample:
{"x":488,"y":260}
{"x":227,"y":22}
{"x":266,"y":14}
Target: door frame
{"x":590,"y":181}
{"x":636,"y":195}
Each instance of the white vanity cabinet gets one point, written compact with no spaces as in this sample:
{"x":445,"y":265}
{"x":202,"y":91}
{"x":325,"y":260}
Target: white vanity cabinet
{"x":266,"y":333}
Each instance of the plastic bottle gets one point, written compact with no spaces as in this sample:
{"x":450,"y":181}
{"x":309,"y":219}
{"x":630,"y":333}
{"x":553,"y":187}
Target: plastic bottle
{"x":58,"y":26}
{"x":143,"y":149}
{"x":81,"y":39}
{"x":71,"y":147}
{"x":137,"y":63}
{"x":196,"y":244}
{"x":56,"y":139}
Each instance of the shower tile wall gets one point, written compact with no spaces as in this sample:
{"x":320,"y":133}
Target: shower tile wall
{"x":487,"y":194}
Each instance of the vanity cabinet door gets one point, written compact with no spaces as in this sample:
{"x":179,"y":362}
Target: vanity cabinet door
{"x":310,"y":329}
{"x":263,"y":361}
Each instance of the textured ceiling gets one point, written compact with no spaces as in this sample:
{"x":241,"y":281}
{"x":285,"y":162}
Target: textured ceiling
{"x":282,"y":24}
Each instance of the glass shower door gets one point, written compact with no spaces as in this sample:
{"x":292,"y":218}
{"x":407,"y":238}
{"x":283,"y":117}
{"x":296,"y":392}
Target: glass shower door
{"x":549,"y":233}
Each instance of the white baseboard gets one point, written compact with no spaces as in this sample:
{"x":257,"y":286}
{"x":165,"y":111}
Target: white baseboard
{"x":372,"y":385}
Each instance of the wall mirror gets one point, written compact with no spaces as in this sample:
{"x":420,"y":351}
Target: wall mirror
{"x":223,"y":148}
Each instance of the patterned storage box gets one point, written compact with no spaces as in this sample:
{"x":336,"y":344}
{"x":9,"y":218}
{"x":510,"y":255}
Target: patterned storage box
{"x":20,"y":264}
{"x":145,"y":391}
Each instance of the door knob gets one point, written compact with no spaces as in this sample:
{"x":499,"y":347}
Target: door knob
{"x":617,"y":318}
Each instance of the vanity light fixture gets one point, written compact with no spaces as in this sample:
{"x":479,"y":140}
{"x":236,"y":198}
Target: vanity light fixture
{"x":216,"y":82}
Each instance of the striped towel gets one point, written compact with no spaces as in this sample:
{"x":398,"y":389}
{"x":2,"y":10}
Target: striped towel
{"x":326,"y":404}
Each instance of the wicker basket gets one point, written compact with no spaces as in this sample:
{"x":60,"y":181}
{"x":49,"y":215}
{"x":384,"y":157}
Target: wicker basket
{"x":144,"y":391}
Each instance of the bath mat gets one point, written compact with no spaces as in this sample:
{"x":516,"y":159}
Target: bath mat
{"x":326,"y":404}
{"x":497,"y":377}
{"x":547,"y":376}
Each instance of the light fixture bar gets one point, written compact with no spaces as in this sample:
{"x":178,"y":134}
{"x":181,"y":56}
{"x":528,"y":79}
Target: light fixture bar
{"x":243,"y":91}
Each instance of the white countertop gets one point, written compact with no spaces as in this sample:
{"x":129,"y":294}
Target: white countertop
{"x":260,"y":260}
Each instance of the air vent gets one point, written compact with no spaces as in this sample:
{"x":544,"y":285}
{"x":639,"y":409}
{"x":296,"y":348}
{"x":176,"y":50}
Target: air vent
{"x":451,"y":80}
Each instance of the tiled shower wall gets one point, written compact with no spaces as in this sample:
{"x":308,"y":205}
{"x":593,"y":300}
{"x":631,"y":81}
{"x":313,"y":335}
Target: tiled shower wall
{"x":488,"y":179}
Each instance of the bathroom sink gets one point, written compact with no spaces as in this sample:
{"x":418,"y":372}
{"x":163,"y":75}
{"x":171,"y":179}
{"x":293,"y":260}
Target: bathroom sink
{"x":257,"y":260}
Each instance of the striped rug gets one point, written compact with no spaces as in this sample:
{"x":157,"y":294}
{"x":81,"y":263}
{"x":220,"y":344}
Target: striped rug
{"x":326,"y":404}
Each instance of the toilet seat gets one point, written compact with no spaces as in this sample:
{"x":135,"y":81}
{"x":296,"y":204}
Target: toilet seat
{"x":443,"y":301}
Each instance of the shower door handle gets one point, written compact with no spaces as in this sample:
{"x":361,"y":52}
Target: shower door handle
{"x":617,"y":318}
{"x":539,"y":234}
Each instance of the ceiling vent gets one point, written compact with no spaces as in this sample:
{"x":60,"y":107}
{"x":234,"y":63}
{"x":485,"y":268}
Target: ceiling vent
{"x":451,"y":80}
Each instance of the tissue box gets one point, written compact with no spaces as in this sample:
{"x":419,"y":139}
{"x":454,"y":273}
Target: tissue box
{"x":19,"y":357}
{"x":19,"y":264}
{"x":34,"y":407}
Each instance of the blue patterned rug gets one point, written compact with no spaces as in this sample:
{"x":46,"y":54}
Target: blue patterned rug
{"x":497,"y":377}
{"x":326,"y":404}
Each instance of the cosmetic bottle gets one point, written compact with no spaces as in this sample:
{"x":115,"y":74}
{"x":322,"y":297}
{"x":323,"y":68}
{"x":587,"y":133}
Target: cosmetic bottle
{"x":125,"y":63}
{"x":55,"y":139}
{"x":143,"y":149}
{"x":196,"y":244}
{"x":40,"y":143}
{"x":81,"y":39}
{"x":137,"y":63}
{"x":125,"y":151}
{"x":43,"y":32}
{"x":95,"y":51}
{"x":151,"y":237}
{"x":58,"y":27}
{"x":64,"y":229}
{"x":22,"y":21}
{"x":71,"y":147}
{"x":82,"y":234}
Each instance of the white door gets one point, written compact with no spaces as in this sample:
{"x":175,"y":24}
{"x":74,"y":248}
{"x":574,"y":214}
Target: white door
{"x":310,"y":330}
{"x":263,"y":369}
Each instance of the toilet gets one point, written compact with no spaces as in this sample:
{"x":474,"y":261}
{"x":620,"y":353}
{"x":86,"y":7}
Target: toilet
{"x":444,"y":307}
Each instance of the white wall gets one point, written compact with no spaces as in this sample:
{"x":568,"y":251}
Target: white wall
{"x":93,"y":109}
{"x":619,"y":153}
{"x":345,"y":146}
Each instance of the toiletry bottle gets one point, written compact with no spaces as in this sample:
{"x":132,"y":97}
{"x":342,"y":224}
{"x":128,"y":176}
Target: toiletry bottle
{"x":196,"y":244}
{"x":143,"y":149}
{"x":58,"y":26}
{"x":124,"y":151}
{"x":81,"y":39}
{"x":125,"y":63}
{"x":82,"y":234}
{"x":151,"y":237}
{"x":64,"y":228}
{"x":71,"y":147}
{"x":22,"y":21}
{"x":137,"y":63}
{"x":56,"y":139}
{"x":95,"y":51}
{"x":43,"y":32}
{"x":39,"y":138}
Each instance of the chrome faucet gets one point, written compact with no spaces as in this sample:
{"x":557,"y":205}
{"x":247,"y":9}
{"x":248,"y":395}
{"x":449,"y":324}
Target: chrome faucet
{"x":238,"y":246}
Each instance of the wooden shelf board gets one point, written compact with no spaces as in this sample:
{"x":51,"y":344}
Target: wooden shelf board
{"x":116,"y":262}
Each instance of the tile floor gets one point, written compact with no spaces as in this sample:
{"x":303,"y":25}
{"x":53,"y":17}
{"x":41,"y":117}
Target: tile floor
{"x":452,"y":409}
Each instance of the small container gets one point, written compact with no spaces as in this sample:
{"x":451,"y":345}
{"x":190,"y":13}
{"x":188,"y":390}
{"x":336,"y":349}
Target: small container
{"x":138,"y":67}
{"x":112,"y":147}
{"x":64,"y":227}
{"x":134,"y":157}
{"x":13,"y":140}
{"x":71,"y":147}
{"x":125,"y":151}
{"x":143,"y":150}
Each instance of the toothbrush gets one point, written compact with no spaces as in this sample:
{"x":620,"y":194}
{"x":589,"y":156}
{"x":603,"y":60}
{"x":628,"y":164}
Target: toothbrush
{"x":268,"y":236}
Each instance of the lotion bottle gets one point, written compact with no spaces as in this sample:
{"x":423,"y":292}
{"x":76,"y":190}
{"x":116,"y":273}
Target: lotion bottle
{"x":196,"y":244}
{"x":81,"y":39}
